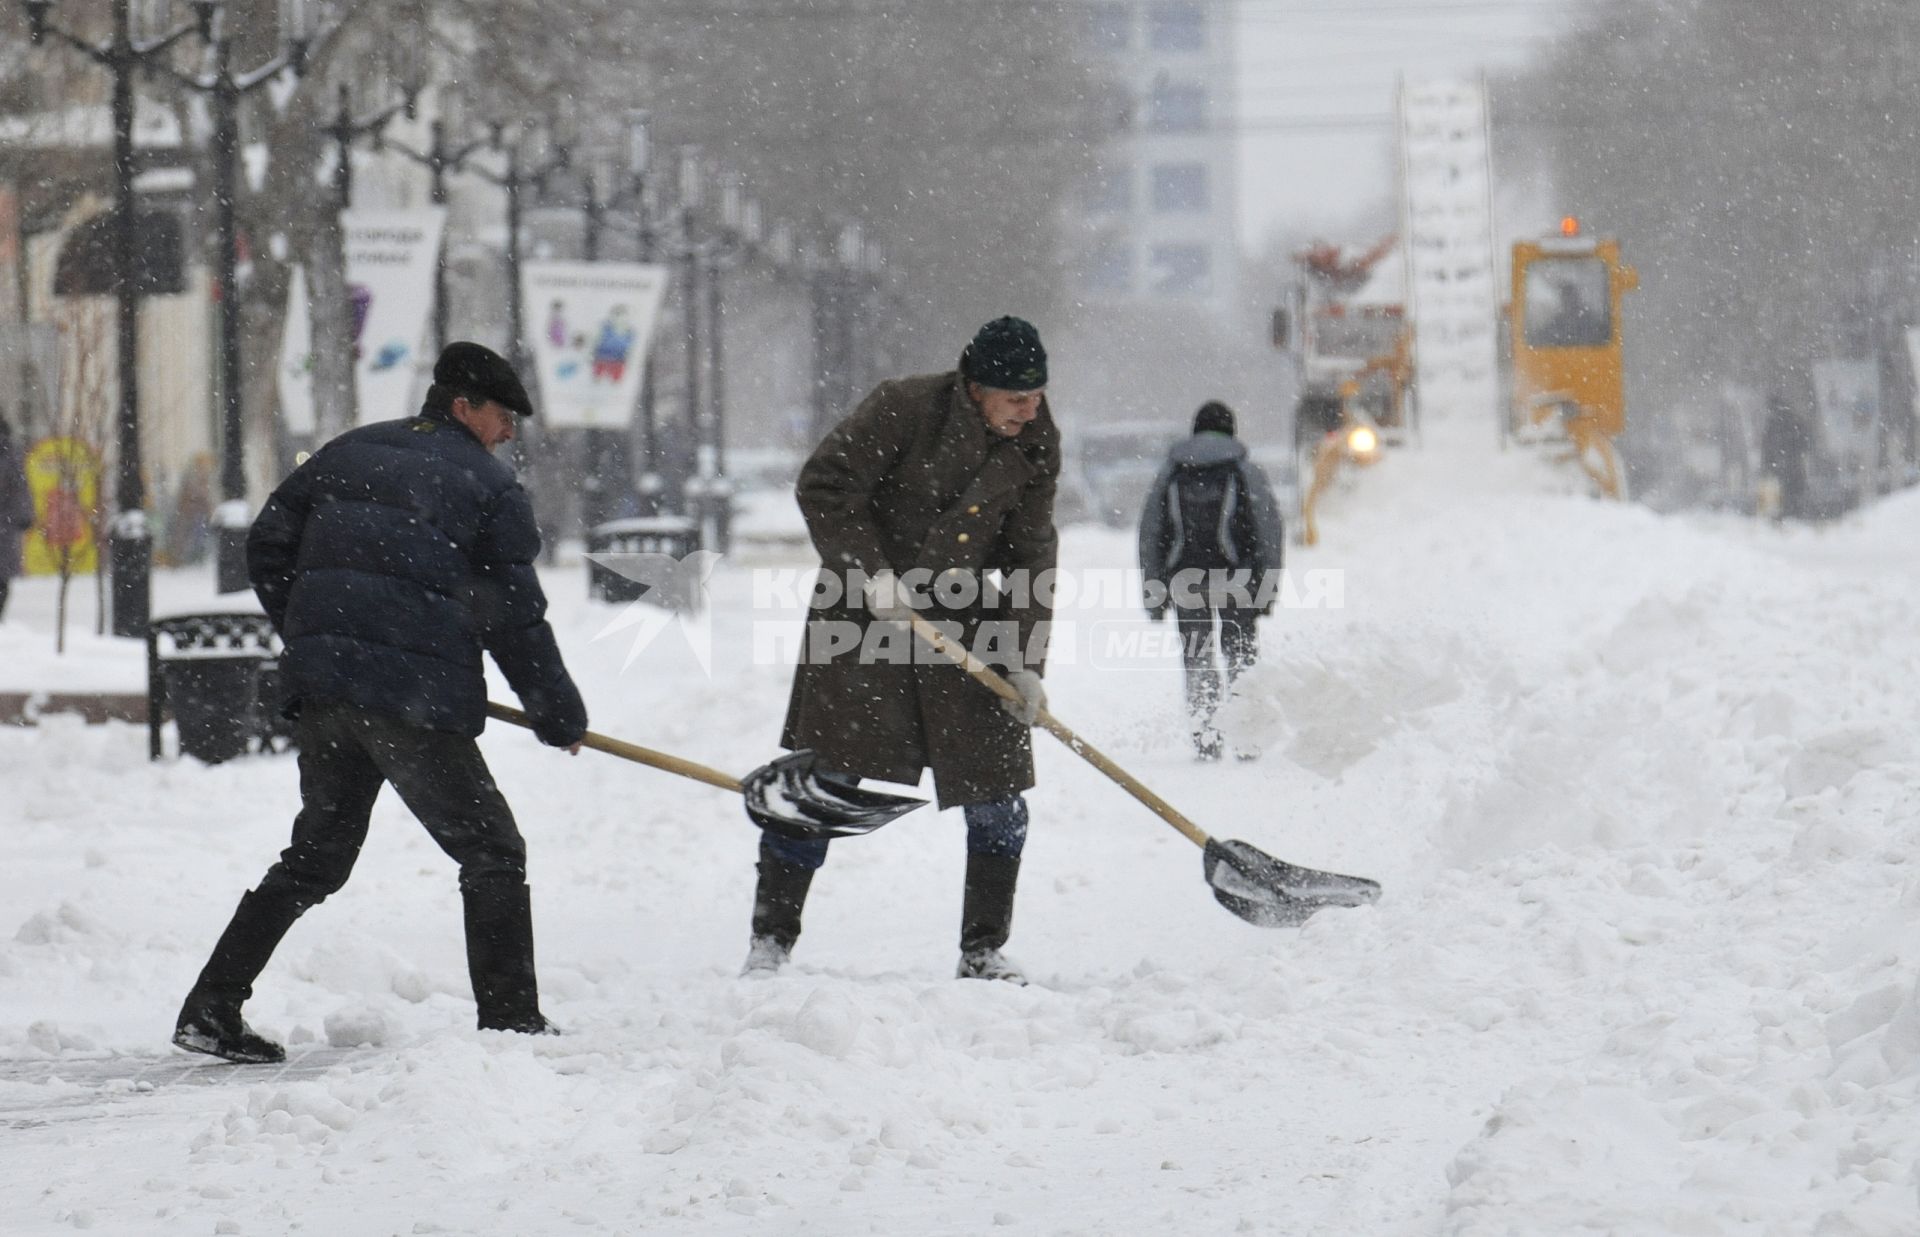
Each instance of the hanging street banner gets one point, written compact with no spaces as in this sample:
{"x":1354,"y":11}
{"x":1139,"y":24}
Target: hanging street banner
{"x":590,"y":324}
{"x":390,"y":262}
{"x":296,"y":360}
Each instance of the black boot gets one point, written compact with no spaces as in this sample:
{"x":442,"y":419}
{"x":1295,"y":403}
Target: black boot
{"x":986,"y":917}
{"x":499,"y":916}
{"x":778,"y":899}
{"x":210,"y":1020}
{"x":217,"y":1029}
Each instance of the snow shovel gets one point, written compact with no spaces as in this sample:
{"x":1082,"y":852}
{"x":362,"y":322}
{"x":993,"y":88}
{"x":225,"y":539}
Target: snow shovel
{"x":784,"y":796}
{"x":1264,"y":891}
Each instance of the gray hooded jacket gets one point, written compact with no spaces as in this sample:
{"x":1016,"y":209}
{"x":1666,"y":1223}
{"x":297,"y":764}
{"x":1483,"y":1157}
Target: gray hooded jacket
{"x":1210,"y":507}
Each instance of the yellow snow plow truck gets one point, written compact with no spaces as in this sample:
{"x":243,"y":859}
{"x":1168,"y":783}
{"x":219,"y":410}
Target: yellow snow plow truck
{"x":1564,"y":342}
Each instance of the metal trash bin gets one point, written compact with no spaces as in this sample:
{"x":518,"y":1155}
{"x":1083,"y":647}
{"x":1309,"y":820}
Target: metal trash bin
{"x":673,"y":536}
{"x":215,"y":703}
{"x":217,"y":676}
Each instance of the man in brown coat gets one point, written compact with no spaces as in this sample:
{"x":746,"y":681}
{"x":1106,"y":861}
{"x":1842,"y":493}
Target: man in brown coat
{"x":932,"y":483}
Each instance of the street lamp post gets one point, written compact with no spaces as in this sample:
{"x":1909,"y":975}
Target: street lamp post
{"x":439,"y":159}
{"x":836,"y":311}
{"x":346,"y":129}
{"x":515,"y":180}
{"x":732,"y":216}
{"x":871,"y":305}
{"x":678,"y":483}
{"x":606,"y":472}
{"x":639,"y":163}
{"x":738,"y":234}
{"x":851,"y":252}
{"x":705,"y":494}
{"x":609,"y":473}
{"x":226,"y":89}
{"x":694,"y":459}
{"x":593,"y":210}
{"x":131,"y":544}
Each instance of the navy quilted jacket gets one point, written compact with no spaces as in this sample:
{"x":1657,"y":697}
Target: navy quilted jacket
{"x":390,"y":560}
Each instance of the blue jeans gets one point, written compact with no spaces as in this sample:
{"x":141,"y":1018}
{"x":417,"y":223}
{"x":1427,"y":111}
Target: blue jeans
{"x":997,"y":827}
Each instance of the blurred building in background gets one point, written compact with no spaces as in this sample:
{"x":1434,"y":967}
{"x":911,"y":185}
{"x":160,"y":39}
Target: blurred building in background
{"x":1157,"y":223}
{"x":1162,"y":317}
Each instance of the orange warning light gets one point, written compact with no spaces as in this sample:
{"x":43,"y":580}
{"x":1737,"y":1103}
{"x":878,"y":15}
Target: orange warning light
{"x":1569,"y":226}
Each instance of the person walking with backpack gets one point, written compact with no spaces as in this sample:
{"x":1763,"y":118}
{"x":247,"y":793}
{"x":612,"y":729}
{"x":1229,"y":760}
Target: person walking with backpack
{"x":1211,"y":547}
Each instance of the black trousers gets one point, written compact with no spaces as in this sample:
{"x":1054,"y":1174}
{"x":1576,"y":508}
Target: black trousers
{"x":346,"y":754}
{"x":1206,"y":685}
{"x":6,"y":586}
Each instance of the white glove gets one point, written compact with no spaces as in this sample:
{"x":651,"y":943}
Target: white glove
{"x":886,"y":597}
{"x":1033,"y":696}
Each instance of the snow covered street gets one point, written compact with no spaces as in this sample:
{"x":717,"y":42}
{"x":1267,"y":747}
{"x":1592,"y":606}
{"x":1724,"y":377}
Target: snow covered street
{"x":1643,"y":792}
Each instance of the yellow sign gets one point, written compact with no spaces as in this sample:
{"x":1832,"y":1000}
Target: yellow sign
{"x":64,"y":476}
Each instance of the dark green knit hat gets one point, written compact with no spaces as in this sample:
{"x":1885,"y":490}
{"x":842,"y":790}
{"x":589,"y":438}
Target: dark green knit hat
{"x":1006,"y":354}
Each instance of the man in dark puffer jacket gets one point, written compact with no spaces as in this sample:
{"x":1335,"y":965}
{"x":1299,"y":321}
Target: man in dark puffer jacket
{"x":387,"y":563}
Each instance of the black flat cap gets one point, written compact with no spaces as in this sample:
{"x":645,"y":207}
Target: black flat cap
{"x":474,"y":369}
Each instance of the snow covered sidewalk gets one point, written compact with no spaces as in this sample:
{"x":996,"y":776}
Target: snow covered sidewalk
{"x":1642,"y":792}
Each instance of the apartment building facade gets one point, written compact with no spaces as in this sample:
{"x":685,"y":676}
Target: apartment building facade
{"x":1157,"y":223}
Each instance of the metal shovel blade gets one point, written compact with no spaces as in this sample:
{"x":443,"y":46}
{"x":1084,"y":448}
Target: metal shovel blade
{"x":787,"y":798}
{"x":1270,"y":893}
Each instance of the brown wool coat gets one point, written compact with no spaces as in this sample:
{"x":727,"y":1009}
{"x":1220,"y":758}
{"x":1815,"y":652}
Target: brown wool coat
{"x":914,"y":479}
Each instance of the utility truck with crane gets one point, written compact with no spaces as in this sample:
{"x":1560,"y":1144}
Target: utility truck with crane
{"x":1345,"y":326}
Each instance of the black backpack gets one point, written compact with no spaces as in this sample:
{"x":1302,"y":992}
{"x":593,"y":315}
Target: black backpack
{"x":1198,"y":497}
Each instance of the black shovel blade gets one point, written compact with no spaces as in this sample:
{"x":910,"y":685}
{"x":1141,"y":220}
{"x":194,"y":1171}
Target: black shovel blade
{"x":1270,"y":893}
{"x":786,"y":798}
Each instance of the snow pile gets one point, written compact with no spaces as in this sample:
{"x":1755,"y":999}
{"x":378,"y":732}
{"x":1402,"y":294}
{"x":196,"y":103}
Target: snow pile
{"x":1802,"y":1120}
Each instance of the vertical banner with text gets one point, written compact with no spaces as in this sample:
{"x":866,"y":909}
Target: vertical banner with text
{"x":391,"y":256}
{"x":589,"y":325}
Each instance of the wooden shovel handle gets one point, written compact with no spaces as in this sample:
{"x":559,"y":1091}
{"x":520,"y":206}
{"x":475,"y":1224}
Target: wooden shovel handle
{"x":628,"y":751}
{"x":1058,"y":729}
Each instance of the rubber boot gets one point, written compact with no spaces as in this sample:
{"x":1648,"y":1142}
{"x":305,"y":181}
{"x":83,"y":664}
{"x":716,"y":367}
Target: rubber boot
{"x":499,"y":917}
{"x":210,"y":1020}
{"x":986,"y":917}
{"x":778,"y":899}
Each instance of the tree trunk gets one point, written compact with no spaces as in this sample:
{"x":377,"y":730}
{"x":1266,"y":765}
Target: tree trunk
{"x":335,"y":405}
{"x":60,"y":605}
